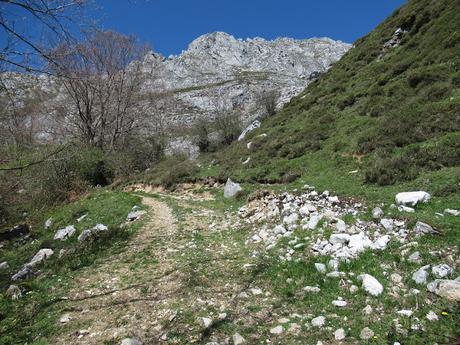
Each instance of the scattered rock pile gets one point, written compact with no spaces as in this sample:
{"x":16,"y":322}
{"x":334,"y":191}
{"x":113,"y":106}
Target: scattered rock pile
{"x":315,"y":212}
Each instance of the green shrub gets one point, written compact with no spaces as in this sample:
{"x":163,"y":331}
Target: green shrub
{"x":387,"y":171}
{"x":201,"y":130}
{"x":182,"y":172}
{"x":137,"y":154}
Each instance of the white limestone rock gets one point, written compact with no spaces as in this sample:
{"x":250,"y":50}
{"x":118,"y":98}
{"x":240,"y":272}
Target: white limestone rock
{"x":423,"y":229}
{"x":85,"y":235}
{"x":449,"y":289}
{"x":412,"y":198}
{"x":48,"y":224}
{"x":420,"y":276}
{"x":366,"y":333}
{"x":339,"y":334}
{"x":452,"y":212}
{"x":238,"y":339}
{"x":442,"y":270}
{"x":277,"y":330}
{"x":340,"y":238}
{"x":254,"y":125}
{"x":371,"y":285}
{"x":130,"y":341}
{"x":388,"y":224}
{"x":377,"y":213}
{"x":135,"y":215}
{"x":321,"y":268}
{"x":318,"y":321}
{"x":64,"y":234}
{"x":231,"y":189}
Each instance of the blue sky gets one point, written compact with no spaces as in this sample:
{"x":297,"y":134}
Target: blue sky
{"x":170,"y":25}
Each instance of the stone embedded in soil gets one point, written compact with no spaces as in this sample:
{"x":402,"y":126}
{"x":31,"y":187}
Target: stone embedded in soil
{"x":231,"y":188}
{"x":318,"y":321}
{"x":367,"y":310}
{"x":449,"y":289}
{"x":313,"y":289}
{"x":206,"y":322}
{"x":377,"y":213}
{"x":339,"y":334}
{"x":420,"y":276}
{"x":405,"y":312}
{"x":366,"y":333}
{"x":65,"y":233}
{"x":238,"y":339}
{"x":277,"y":330}
{"x":431,"y":316}
{"x":412,"y":198}
{"x":415,"y":258}
{"x":321,"y":268}
{"x":339,"y":303}
{"x":130,"y":341}
{"x":421,"y":228}
{"x":442,"y":270}
{"x":371,"y":285}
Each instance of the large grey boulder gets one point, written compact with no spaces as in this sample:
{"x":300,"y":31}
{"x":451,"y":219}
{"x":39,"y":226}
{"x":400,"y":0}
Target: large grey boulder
{"x":449,"y":289}
{"x":85,"y":235}
{"x":135,"y":215}
{"x":420,"y":276}
{"x":24,"y":273}
{"x":13,"y":292}
{"x":231,"y":189}
{"x":441,"y":270}
{"x":26,"y":270}
{"x":41,"y":255}
{"x":412,"y":198}
{"x":424,"y":229}
{"x":64,"y":234}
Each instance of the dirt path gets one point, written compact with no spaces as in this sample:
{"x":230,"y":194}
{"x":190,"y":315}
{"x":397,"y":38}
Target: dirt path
{"x":178,"y":271}
{"x":124,"y":295}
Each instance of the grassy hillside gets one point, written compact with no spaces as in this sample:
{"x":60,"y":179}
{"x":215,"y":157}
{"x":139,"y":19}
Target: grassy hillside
{"x":392,"y":113}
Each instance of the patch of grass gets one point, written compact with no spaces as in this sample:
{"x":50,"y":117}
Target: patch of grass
{"x":35,"y":314}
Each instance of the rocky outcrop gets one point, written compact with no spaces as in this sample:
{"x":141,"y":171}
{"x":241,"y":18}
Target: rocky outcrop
{"x":218,"y":71}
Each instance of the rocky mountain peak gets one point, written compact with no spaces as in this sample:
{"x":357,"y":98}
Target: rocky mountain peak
{"x":211,"y":41}
{"x":219,"y":68}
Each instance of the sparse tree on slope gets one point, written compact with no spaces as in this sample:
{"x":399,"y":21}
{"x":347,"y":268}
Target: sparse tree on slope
{"x":103,"y":78}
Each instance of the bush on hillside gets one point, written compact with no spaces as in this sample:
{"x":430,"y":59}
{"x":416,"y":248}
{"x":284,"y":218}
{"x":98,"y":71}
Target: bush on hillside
{"x":229,"y":127}
{"x":182,"y":172}
{"x":137,"y":154}
{"x":201,"y":130}
{"x":388,"y":170}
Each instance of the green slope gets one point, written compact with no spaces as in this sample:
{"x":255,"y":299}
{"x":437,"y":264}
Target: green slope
{"x":392,"y":114}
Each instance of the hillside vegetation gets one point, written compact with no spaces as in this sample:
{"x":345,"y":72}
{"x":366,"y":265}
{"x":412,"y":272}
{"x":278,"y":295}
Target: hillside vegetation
{"x":389,"y":108}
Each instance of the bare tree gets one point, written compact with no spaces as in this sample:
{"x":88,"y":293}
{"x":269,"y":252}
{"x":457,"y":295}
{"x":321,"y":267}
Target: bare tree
{"x":103,"y":76}
{"x":28,"y":26}
{"x":18,"y":109}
